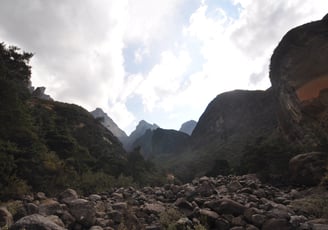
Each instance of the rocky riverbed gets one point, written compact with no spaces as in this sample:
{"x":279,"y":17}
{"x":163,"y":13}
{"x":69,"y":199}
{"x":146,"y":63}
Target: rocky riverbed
{"x":231,"y":202}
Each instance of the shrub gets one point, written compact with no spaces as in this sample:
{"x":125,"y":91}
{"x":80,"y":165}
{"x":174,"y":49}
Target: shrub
{"x":269,"y":159}
{"x":93,"y":182}
{"x":15,"y":189}
{"x":315,"y":205}
{"x":169,"y":217}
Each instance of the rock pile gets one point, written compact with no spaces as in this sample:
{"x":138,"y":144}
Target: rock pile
{"x":231,"y":202}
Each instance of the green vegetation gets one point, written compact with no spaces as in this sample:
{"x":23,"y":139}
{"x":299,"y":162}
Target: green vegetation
{"x":269,"y":159}
{"x":315,"y":204}
{"x":169,"y":217}
{"x":49,"y":146}
{"x":221,"y":167}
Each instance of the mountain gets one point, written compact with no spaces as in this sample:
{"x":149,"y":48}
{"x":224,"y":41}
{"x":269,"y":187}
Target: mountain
{"x":48,"y":146}
{"x":140,"y":130}
{"x":161,"y":142}
{"x":299,"y":77}
{"x":232,"y":121}
{"x":108,"y":123}
{"x":260,"y":131}
{"x":188,"y":127}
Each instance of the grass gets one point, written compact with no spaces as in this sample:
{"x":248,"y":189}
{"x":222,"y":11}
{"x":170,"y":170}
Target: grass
{"x":314,"y":205}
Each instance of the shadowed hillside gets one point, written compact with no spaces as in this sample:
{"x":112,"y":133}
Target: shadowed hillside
{"x":48,"y":146}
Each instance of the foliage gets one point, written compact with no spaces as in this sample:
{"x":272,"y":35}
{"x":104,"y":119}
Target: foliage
{"x":221,"y":167}
{"x":49,"y":146}
{"x":169,"y":217}
{"x":269,"y":159}
{"x":315,"y":205}
{"x":200,"y":227}
{"x":143,"y":171}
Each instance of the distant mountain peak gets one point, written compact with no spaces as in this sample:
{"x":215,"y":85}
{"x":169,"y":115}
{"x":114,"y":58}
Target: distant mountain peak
{"x":144,"y":125}
{"x":140,"y":130}
{"x":188,"y":127}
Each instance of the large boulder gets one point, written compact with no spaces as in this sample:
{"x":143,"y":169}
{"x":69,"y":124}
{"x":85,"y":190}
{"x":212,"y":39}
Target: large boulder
{"x":49,"y":207}
{"x":299,"y":77}
{"x":35,"y":221}
{"x":308,"y":168}
{"x":83,"y":211}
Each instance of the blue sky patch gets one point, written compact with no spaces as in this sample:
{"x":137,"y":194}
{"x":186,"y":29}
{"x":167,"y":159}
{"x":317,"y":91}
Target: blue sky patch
{"x":226,"y":5}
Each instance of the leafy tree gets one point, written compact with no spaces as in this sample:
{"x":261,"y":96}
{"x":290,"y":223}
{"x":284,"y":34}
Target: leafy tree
{"x":221,"y":167}
{"x":269,"y":158}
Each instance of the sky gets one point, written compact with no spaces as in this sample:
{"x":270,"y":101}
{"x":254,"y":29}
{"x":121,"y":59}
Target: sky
{"x":159,"y":61}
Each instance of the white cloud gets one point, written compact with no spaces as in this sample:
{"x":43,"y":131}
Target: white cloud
{"x":150,"y":20}
{"x":79,"y":49}
{"x":164,"y":79}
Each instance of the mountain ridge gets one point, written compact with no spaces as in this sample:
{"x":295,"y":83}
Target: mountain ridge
{"x":108,"y":123}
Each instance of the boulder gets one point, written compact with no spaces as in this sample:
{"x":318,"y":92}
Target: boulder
{"x":49,"y":207}
{"x":68,"y":195}
{"x":274,"y":224}
{"x":226,"y":206}
{"x":210,"y":216}
{"x":35,"y":221}
{"x":83,"y":211}
{"x":308,"y":168}
{"x":6,"y":219}
{"x":154,"y":208}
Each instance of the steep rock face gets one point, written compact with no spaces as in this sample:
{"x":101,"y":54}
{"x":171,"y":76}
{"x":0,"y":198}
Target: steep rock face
{"x":188,"y":127}
{"x":108,"y":123}
{"x":232,"y":121}
{"x":299,"y":76}
{"x":161,"y":141}
{"x":140,"y":130}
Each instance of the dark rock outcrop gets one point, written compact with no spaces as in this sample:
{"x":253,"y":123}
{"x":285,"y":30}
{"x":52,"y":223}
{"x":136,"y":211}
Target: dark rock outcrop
{"x":39,"y":92}
{"x":299,"y":77}
{"x":308,"y":168}
{"x":109,"y":124}
{"x":232,"y":121}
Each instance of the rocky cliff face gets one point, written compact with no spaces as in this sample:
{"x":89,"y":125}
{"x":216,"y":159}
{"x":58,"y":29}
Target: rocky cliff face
{"x":162,"y":141}
{"x":188,"y":127}
{"x":108,"y":123}
{"x":299,"y":76}
{"x":232,"y":121}
{"x":39,"y":92}
{"x":140,"y":130}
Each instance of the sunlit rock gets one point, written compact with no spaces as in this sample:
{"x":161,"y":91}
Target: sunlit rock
{"x":299,"y":76}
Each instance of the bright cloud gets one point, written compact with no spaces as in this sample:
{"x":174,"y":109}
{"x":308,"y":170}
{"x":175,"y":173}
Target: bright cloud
{"x":144,"y":59}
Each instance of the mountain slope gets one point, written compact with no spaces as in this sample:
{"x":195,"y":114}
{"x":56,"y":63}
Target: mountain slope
{"x":299,"y":77}
{"x":140,"y":130}
{"x":233,"y":120}
{"x":161,"y":142}
{"x":108,"y":123}
{"x":48,"y":146}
